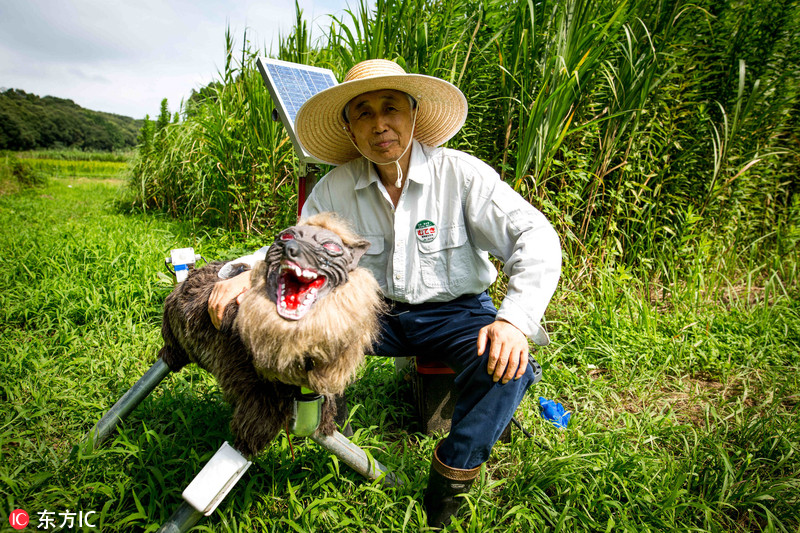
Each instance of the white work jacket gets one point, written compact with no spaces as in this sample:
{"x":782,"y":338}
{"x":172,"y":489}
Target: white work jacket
{"x":433,"y":246}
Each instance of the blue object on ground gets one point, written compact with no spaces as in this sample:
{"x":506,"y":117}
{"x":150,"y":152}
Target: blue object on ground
{"x":554,"y":412}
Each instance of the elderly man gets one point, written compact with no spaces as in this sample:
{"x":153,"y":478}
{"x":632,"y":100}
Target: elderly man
{"x":432,"y":216}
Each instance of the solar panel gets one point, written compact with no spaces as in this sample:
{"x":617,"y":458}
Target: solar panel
{"x":290,"y":85}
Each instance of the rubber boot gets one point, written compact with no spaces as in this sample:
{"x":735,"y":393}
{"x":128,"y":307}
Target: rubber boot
{"x":444,"y":485}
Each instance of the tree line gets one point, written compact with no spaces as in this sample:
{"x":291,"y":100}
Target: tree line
{"x":29,"y":122}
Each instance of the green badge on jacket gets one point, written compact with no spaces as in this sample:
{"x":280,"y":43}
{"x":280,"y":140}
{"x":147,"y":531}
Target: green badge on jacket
{"x":426,"y":230}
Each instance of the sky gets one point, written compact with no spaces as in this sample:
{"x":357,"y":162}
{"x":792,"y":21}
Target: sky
{"x":124,"y":57}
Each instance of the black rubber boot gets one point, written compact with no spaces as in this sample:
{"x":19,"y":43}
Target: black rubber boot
{"x":441,"y":501}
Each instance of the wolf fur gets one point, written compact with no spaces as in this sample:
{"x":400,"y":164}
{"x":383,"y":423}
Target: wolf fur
{"x":260,"y":358}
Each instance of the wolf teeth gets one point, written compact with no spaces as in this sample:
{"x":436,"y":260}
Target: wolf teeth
{"x":304,"y":274}
{"x":312,"y":294}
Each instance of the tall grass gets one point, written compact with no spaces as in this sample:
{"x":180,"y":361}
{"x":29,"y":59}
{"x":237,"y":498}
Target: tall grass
{"x":16,"y":173}
{"x":651,"y":133}
{"x":228,"y":164}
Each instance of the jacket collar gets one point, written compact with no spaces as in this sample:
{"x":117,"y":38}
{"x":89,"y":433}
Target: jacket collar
{"x":418,"y":170}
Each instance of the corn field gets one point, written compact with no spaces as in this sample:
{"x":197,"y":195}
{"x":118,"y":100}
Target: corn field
{"x":659,"y":134}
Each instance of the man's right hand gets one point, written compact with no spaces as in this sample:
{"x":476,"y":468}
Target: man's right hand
{"x":223,"y":292}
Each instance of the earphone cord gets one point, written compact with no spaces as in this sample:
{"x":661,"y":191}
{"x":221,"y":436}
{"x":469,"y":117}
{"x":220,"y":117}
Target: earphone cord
{"x":399,"y":182}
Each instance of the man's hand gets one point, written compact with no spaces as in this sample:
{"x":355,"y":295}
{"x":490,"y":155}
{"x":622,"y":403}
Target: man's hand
{"x":224,"y":291}
{"x":508,"y":350}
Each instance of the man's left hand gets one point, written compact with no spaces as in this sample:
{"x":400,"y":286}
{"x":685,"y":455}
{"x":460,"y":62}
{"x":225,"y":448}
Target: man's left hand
{"x":508,"y":350}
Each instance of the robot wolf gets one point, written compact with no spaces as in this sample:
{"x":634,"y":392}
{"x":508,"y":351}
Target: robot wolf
{"x":306,"y":321}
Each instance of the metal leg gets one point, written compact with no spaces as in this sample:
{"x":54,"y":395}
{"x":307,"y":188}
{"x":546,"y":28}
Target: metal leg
{"x":208,"y":488}
{"x":307,"y":417}
{"x":356,"y":458}
{"x":224,"y":470}
{"x":183,"y":519}
{"x":186,"y":516}
{"x":140,"y":390}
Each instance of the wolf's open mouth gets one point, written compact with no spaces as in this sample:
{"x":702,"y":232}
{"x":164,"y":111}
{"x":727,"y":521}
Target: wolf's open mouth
{"x":297,"y":290}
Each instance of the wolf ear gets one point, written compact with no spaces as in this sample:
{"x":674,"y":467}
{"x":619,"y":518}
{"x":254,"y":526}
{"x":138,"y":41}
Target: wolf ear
{"x":357,"y":249}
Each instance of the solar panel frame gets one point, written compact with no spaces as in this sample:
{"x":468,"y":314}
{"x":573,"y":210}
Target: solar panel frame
{"x":290,"y":85}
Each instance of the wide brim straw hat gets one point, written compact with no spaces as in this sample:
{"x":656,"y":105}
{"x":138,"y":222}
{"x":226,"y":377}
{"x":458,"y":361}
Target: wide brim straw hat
{"x":320,"y":125}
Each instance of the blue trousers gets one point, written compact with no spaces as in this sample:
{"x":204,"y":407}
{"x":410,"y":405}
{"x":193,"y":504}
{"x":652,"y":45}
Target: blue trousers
{"x":448,"y":332}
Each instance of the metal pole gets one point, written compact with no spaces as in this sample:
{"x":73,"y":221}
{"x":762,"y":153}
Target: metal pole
{"x":186,"y":516}
{"x":307,"y":179}
{"x":356,"y":458}
{"x":140,"y":390}
{"x":181,"y":520}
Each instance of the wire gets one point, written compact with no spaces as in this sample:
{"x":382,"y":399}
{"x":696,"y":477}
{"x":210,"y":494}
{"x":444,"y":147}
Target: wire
{"x":524,"y":431}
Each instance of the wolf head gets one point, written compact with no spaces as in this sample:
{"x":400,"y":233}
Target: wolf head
{"x":305,"y":263}
{"x":311,"y":313}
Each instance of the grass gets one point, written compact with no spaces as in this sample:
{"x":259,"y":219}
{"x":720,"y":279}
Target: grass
{"x":68,"y":163}
{"x":684,"y":406}
{"x":62,"y":168}
{"x":16,"y":174}
{"x":118,"y":156}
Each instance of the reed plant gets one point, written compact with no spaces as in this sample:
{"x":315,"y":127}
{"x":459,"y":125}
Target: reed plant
{"x":643,"y":145}
{"x":228,"y":164}
{"x":609,"y":116}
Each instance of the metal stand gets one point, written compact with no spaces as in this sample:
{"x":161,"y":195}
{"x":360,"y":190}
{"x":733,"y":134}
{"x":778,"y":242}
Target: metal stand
{"x":129,"y":401}
{"x":183,"y":519}
{"x":308,"y":176}
{"x":356,"y":458}
{"x":186,"y":516}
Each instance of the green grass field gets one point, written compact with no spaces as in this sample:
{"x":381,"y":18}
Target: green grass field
{"x":117,"y":156}
{"x":69,"y":163}
{"x":684,"y":401}
{"x":62,"y":168}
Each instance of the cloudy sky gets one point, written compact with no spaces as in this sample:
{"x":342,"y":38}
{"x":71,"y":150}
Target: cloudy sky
{"x":123,"y":57}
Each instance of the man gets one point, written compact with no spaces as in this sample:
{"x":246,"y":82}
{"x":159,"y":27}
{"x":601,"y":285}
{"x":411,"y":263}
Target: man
{"x":432,"y":215}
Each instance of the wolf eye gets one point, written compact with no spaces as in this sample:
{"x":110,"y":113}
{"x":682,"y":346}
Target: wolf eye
{"x":286,"y":237}
{"x":332,"y":247}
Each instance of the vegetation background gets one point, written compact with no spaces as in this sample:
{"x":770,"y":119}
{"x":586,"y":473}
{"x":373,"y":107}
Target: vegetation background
{"x":30,"y":122}
{"x":662,"y":140}
{"x":643,"y":129}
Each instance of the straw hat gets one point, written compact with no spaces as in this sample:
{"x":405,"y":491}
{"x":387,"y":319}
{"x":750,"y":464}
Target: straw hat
{"x":441,"y":109}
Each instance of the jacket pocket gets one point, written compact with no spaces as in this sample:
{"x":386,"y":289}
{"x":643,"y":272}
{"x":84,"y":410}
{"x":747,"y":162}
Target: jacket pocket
{"x":374,"y":259}
{"x":445,"y":261}
{"x":375,"y":244}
